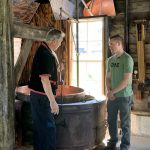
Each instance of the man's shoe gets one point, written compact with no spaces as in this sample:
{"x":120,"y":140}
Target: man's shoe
{"x":111,"y":146}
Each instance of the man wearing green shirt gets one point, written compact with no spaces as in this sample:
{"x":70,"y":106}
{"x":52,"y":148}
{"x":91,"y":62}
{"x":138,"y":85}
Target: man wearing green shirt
{"x":119,"y":93}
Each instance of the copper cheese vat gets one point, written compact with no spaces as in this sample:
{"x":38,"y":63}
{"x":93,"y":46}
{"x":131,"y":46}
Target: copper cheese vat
{"x":70,"y":94}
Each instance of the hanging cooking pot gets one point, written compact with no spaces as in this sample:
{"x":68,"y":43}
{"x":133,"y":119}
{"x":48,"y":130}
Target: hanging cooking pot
{"x":100,"y":7}
{"x":108,"y":7}
{"x":95,"y":8}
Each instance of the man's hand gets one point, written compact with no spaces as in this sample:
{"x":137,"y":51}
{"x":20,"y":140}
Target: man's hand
{"x":54,"y":107}
{"x":48,"y":90}
{"x":111,"y":95}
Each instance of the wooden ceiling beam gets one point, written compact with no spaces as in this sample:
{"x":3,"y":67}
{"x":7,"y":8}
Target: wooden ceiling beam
{"x":26,"y":31}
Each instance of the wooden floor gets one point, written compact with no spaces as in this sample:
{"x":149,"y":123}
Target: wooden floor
{"x":137,"y":143}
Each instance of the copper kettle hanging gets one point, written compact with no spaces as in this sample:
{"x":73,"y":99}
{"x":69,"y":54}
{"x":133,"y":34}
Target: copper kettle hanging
{"x":100,"y":7}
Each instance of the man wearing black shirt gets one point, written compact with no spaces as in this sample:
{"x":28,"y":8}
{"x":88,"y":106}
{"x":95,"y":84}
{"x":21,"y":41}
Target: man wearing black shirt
{"x":43,"y":85}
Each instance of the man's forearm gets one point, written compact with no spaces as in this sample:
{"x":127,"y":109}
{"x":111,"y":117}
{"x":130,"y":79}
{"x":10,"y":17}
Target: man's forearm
{"x":120,"y":87}
{"x":47,"y":88}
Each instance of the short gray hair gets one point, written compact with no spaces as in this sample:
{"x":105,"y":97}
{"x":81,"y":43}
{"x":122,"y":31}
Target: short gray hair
{"x":54,"y":34}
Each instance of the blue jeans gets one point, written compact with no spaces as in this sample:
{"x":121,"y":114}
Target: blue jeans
{"x":43,"y":123}
{"x":122,"y":105}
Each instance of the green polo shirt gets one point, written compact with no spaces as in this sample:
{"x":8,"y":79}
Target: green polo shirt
{"x":117,"y":66}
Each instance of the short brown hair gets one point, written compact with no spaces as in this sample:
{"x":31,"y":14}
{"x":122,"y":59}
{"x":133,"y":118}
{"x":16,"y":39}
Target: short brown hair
{"x":117,"y":37}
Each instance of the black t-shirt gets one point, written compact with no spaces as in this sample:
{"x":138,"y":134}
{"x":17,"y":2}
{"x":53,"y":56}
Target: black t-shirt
{"x":43,"y":63}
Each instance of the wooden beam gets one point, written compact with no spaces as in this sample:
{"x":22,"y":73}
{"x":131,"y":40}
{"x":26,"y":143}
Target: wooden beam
{"x":140,"y":52}
{"x":21,"y":61}
{"x":30,"y":32}
{"x":7,"y":89}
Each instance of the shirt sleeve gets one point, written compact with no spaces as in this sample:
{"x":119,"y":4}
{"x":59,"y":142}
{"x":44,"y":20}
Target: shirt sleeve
{"x":46,"y":64}
{"x":129,"y":65}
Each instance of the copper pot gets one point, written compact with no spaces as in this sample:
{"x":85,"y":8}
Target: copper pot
{"x":64,"y":94}
{"x":100,"y":7}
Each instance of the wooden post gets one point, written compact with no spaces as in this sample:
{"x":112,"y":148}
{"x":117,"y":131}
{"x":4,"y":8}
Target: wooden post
{"x":22,"y":60}
{"x":7,"y":138}
{"x":140,"y":51}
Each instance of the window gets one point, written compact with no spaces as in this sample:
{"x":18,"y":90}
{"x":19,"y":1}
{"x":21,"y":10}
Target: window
{"x":17,"y":48}
{"x":90,"y":40}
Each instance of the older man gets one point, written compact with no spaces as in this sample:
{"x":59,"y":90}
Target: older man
{"x":43,"y":85}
